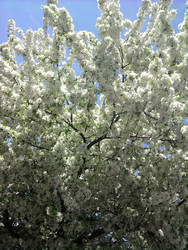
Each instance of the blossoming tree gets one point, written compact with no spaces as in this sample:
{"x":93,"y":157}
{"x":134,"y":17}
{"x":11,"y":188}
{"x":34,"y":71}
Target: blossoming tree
{"x":77,"y":174}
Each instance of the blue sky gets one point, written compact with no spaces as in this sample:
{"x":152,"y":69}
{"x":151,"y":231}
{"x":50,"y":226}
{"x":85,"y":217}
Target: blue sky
{"x":27,"y":13}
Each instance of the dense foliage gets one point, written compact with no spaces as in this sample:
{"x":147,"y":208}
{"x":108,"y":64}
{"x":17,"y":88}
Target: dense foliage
{"x":80,"y":174}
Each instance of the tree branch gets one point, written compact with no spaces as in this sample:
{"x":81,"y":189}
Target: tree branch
{"x":150,"y":116}
{"x":93,"y":235}
{"x":75,"y":129}
{"x":34,"y":145}
{"x":115,"y":118}
{"x":63,"y":208}
{"x":96,"y":141}
{"x":8,"y":225}
{"x":181,"y":202}
{"x":70,"y":125}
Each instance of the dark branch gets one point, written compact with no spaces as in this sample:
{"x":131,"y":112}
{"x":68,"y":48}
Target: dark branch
{"x":115,"y":118}
{"x":8,"y":225}
{"x":150,"y":116}
{"x":75,"y":129}
{"x":96,"y":141}
{"x":124,"y":66}
{"x":96,"y":233}
{"x":82,"y":167}
{"x":34,"y":145}
{"x":181,"y":202}
{"x":63,"y":208}
{"x":70,"y":125}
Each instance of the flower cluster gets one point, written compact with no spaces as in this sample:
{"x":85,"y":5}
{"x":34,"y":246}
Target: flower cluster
{"x":80,"y":173}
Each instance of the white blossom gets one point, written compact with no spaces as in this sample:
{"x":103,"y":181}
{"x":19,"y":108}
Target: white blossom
{"x":75,"y":173}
